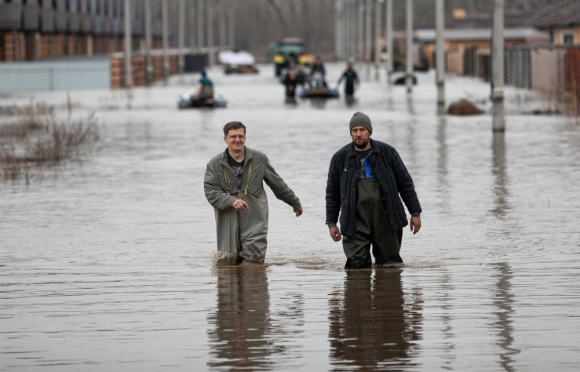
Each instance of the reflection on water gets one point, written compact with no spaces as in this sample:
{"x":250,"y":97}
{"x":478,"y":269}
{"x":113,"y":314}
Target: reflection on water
{"x":504,"y":301}
{"x":372,"y":324}
{"x":241,"y":320}
{"x":442,"y":164}
{"x":246,"y":330}
{"x":410,"y":104}
{"x":501,"y":193}
{"x":446,"y":288}
{"x":318,"y":102}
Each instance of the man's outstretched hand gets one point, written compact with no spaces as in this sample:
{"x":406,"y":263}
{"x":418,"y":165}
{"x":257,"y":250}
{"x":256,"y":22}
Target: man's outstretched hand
{"x":335,"y":234}
{"x":298,"y":212}
{"x":415,"y":224}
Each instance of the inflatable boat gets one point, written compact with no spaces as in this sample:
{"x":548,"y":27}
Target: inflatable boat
{"x":184,"y":101}
{"x":318,"y":93}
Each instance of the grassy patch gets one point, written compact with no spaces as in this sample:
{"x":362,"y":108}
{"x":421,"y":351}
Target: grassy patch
{"x":32,"y":137}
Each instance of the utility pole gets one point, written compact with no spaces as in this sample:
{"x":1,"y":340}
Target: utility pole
{"x":409,"y":47}
{"x":378,"y":11}
{"x":231,"y":25}
{"x":389,"y":36}
{"x":347,"y":28}
{"x":181,"y":35}
{"x":209,"y":25}
{"x":200,"y":16}
{"x":497,"y":57}
{"x":191,"y":24}
{"x":440,"y":50}
{"x":128,"y":58}
{"x":368,"y":33}
{"x":148,"y":61}
{"x":222,"y":23}
{"x":164,"y":22}
{"x":337,"y":29}
{"x":361,"y":29}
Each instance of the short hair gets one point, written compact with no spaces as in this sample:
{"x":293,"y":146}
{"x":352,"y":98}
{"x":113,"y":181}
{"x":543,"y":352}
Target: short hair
{"x":233,"y":125}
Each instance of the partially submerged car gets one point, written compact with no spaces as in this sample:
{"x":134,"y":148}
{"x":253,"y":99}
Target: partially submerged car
{"x":290,"y":50}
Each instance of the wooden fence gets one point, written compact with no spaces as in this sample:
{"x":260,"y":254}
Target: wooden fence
{"x":139,"y":70}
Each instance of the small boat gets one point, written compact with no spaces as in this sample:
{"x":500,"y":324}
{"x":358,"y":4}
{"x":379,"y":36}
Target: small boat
{"x":318,"y":93}
{"x":184,"y":101}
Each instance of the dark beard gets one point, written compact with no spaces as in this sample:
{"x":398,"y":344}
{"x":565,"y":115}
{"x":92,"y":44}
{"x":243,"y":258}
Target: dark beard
{"x":364,"y":144}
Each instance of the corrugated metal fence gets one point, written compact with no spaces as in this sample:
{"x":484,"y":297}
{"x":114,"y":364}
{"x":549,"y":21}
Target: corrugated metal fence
{"x":553,"y":70}
{"x":518,"y":66}
{"x":93,"y":73}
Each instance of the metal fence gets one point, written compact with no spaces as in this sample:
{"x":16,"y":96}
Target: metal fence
{"x":553,"y":70}
{"x":55,"y":75}
{"x":518,"y":66}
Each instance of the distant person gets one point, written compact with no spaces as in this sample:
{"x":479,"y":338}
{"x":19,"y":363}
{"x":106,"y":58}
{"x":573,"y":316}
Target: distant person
{"x":203,"y":89}
{"x":366,"y":182}
{"x":351,"y":81}
{"x":234,"y":186}
{"x":301,"y":75}
{"x":291,"y":81}
{"x":318,"y":74}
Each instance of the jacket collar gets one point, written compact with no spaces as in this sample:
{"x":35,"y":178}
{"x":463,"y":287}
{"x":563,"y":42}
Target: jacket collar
{"x":247,"y":155}
{"x":374,"y":148}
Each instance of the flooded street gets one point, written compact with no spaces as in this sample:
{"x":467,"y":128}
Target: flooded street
{"x":105,"y":264}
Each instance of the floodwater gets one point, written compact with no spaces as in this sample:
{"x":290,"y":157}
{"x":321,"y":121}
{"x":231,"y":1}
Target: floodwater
{"x":105,"y":264}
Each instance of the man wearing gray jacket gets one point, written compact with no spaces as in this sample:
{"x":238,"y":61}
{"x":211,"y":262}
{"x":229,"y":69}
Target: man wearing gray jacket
{"x":234,"y":186}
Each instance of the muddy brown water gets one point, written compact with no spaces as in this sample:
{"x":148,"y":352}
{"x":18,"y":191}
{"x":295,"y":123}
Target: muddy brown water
{"x":105,"y":264}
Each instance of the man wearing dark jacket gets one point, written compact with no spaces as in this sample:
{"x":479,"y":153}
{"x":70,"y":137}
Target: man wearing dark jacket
{"x":366,"y":182}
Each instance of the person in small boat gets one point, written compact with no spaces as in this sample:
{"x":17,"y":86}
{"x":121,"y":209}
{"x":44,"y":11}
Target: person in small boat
{"x":318,"y":74}
{"x":204,"y":88}
{"x":351,"y":80}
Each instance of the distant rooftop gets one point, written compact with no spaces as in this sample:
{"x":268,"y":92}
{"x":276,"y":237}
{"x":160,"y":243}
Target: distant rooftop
{"x":562,"y":14}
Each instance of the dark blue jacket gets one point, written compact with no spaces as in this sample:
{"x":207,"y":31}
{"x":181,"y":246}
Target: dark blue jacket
{"x":393,"y":179}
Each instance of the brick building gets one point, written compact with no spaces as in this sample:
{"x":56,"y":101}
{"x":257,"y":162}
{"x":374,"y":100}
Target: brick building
{"x":37,"y":29}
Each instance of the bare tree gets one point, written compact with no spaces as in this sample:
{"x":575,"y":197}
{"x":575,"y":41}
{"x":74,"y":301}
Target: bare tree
{"x":278,"y":12}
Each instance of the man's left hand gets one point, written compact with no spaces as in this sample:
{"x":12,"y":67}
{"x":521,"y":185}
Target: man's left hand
{"x":415,"y":224}
{"x":299,"y":212}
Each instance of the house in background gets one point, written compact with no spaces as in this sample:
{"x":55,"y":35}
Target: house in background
{"x":468,"y":50}
{"x":561,"y":20}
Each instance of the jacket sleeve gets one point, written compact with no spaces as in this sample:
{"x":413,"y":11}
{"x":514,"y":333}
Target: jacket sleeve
{"x":341,"y":77}
{"x":405,"y":184}
{"x":333,"y":191}
{"x":215,"y":194}
{"x":279,"y":187}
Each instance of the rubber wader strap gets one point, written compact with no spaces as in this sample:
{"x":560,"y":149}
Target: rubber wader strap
{"x":249,"y":174}
{"x":224,"y":168}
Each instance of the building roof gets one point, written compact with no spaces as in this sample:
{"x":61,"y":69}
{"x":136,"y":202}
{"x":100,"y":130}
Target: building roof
{"x":561,"y":14}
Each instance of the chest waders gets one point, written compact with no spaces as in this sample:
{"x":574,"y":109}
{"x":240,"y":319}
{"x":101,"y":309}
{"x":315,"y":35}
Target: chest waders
{"x":373,"y":228}
{"x":243,"y":234}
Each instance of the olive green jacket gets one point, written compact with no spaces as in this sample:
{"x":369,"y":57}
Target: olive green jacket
{"x":221,"y":189}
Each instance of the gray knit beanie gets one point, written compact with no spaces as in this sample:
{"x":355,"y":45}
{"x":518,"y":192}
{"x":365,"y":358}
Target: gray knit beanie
{"x":360,"y":119}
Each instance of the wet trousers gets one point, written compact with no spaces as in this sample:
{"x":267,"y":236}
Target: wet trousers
{"x":244,"y":234}
{"x":373,"y":228}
